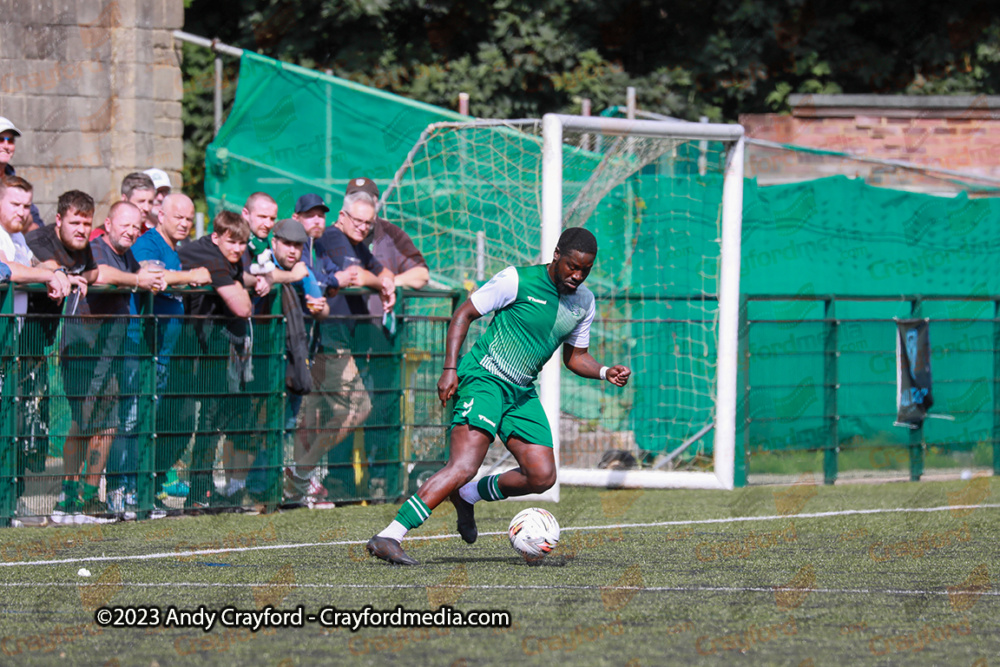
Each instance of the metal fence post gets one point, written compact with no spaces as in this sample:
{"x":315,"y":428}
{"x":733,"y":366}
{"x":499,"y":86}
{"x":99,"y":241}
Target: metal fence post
{"x":275,"y":405}
{"x":8,"y":418}
{"x":145,"y":481}
{"x":831,"y":385}
{"x":996,"y":388}
{"x":917,"y":434}
{"x":399,"y":349}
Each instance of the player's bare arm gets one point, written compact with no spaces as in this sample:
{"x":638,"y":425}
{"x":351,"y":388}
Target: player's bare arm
{"x":457,"y":331}
{"x":583,"y":364}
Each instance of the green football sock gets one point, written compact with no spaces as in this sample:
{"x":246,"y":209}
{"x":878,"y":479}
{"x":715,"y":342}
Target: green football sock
{"x":489,"y":488}
{"x":413,"y":512}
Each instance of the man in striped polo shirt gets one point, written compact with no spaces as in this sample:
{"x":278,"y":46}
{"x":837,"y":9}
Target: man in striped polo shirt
{"x":536,"y":309}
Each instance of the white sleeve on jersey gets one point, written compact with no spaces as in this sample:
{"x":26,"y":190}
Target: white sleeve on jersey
{"x":580,"y":335}
{"x":500,"y":291}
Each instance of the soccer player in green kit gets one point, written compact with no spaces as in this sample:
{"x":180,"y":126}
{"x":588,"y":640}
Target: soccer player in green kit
{"x":536,"y":309}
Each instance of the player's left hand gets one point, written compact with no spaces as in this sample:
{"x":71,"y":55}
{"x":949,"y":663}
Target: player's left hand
{"x":618,"y":375}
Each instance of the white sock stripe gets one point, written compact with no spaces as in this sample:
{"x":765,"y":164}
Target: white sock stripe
{"x":420,"y":508}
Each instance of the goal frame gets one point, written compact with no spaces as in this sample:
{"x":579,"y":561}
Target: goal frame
{"x":724,"y":451}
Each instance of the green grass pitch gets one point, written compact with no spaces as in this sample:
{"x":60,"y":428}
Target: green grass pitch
{"x":807,"y":580}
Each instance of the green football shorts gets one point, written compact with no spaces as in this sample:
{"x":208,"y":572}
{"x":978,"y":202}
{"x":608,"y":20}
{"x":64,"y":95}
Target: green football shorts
{"x":501,"y":408}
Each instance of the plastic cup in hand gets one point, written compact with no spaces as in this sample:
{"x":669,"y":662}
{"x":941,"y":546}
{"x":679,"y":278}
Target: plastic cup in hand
{"x":156,"y":264}
{"x":352,"y":265}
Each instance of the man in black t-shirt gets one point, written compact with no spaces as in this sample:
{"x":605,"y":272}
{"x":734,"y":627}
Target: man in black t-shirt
{"x":122,"y":336}
{"x":65,"y":246}
{"x":224,"y":367}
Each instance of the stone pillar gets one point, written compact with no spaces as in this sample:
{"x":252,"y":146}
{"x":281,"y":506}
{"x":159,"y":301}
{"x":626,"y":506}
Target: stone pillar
{"x":95,"y":88}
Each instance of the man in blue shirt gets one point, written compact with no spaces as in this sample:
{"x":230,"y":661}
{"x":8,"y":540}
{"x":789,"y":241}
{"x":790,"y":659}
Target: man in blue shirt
{"x":175,"y":410}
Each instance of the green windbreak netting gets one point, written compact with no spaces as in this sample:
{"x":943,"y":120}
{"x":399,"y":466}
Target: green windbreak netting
{"x":293,"y":131}
{"x":840,"y":237}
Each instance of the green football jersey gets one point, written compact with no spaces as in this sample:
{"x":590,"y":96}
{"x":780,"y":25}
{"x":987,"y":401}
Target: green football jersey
{"x":532,"y":319}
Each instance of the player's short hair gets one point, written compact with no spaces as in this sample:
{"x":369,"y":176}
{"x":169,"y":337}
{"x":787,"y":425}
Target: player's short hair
{"x":228,"y":222}
{"x":13,"y":182}
{"x":75,"y":199}
{"x":577,"y":238}
{"x":136,"y":181}
{"x":256,"y":197}
{"x":355,"y":197}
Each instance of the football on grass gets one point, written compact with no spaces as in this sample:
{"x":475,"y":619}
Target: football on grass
{"x":533,"y":533}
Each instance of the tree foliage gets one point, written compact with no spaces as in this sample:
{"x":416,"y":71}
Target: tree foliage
{"x":523,"y":58}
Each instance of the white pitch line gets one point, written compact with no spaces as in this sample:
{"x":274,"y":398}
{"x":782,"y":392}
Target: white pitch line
{"x":658,"y":524}
{"x":567,"y":587}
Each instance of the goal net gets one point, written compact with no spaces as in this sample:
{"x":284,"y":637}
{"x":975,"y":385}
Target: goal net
{"x":663,"y":199}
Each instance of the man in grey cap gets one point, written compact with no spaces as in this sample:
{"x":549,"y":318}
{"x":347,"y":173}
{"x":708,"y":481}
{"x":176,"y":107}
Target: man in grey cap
{"x":8,"y":138}
{"x":302,"y":302}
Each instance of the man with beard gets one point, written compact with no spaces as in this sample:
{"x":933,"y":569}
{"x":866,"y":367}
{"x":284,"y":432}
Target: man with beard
{"x":25,"y":364}
{"x":65,"y":246}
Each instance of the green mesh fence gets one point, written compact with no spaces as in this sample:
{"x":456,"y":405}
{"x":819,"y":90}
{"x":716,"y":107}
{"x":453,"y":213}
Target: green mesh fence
{"x":175,"y":412}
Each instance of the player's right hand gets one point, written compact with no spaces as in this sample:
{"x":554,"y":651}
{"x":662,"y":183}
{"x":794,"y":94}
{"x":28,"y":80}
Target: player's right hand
{"x":447,"y":385}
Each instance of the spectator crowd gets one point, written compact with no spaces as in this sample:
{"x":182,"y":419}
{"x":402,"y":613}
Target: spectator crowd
{"x":337,"y":377}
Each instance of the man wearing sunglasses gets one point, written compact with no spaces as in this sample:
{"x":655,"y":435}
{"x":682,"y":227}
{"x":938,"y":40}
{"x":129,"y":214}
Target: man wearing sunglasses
{"x":8,"y":138}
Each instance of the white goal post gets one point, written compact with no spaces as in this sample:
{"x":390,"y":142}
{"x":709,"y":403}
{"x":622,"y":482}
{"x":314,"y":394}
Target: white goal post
{"x":722,"y":475}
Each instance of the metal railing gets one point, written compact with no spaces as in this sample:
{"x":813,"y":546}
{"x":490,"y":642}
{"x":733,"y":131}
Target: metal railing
{"x":825,"y":365}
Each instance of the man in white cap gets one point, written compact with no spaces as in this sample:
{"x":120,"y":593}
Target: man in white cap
{"x":8,"y":137}
{"x":162,"y":184}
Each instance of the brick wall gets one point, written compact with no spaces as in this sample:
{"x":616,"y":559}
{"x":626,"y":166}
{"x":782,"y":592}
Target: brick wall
{"x":961,"y":133}
{"x":95,"y":88}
